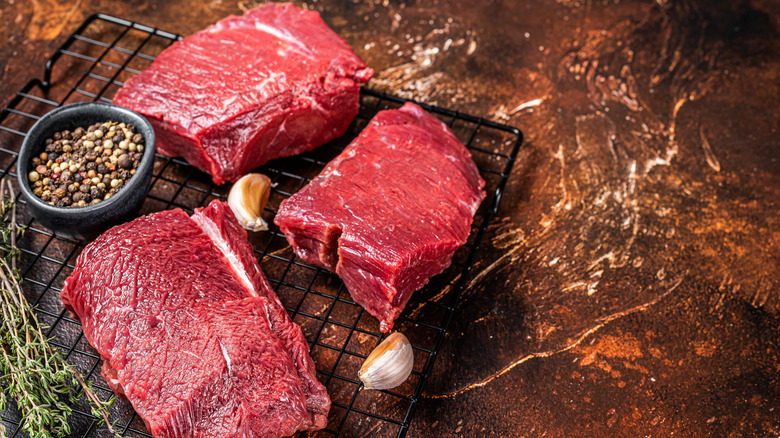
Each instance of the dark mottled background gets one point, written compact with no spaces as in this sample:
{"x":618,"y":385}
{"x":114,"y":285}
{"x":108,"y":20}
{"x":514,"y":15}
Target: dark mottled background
{"x":629,"y":284}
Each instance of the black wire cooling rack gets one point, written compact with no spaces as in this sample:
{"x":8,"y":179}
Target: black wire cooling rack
{"x":91,"y":65}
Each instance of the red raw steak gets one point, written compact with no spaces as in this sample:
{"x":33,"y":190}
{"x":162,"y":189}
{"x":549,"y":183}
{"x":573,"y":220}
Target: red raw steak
{"x":272,"y":83}
{"x":191,"y":332}
{"x":389,"y":212}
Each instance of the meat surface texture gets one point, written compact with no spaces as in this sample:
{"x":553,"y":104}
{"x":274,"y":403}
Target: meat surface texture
{"x":389,"y":212}
{"x":272,"y":83}
{"x":191,"y":332}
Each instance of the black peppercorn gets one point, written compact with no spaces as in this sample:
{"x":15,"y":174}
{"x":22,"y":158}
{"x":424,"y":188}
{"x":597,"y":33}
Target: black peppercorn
{"x":97,"y":192}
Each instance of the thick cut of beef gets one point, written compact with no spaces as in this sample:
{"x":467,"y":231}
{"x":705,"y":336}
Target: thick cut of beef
{"x":272,"y":83}
{"x":389,"y":212}
{"x":190,"y":330}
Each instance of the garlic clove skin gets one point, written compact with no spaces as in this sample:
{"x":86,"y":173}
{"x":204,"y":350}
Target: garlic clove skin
{"x":247,"y":199}
{"x":389,"y":365}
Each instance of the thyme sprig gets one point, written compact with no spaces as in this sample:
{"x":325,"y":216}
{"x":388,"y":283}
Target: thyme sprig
{"x":33,"y":373}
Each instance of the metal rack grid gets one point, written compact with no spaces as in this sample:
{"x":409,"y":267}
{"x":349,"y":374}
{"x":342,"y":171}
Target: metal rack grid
{"x":91,"y":65}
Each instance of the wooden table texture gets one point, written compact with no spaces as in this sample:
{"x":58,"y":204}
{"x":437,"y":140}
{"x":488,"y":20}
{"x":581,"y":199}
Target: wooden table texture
{"x":629,"y":284}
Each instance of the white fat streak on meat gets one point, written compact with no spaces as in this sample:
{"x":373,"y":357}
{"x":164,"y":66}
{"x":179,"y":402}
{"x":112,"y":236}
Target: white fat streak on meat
{"x":211,"y":230}
{"x":115,"y":382}
{"x":284,"y":36}
{"x":261,"y":89}
{"x":225,"y":354}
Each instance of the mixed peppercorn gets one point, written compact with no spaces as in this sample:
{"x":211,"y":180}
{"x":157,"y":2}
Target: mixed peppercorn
{"x":84,"y":167}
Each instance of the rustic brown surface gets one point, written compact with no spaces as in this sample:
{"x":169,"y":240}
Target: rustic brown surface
{"x":628,"y":286}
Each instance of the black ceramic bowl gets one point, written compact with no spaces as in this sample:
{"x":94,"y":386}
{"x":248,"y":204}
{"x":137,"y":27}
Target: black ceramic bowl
{"x":90,"y":221}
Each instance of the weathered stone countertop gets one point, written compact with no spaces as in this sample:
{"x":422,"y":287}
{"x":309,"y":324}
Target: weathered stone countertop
{"x":629,"y":283}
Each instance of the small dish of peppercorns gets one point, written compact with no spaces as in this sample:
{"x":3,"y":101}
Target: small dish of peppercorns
{"x":85,"y":167}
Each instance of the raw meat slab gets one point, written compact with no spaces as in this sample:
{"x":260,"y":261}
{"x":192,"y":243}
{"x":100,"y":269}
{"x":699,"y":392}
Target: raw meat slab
{"x":191,"y":332}
{"x":389,"y":212}
{"x":272,"y":83}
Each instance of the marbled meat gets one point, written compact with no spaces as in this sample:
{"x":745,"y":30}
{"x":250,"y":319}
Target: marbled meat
{"x":272,"y":83}
{"x":191,"y":332}
{"x":389,"y":212}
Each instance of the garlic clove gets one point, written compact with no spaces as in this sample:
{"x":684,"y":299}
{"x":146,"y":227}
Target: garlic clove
{"x":389,"y":365}
{"x":247,"y":199}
